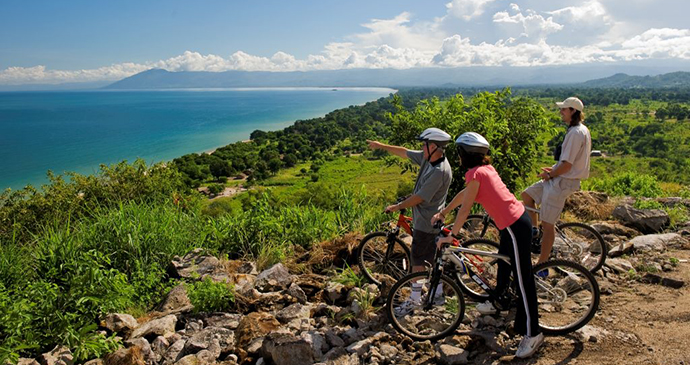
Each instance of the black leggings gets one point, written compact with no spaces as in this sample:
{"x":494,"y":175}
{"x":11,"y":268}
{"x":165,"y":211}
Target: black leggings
{"x":515,"y":243}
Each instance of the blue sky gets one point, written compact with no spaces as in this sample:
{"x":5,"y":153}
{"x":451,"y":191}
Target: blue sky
{"x":75,"y":41}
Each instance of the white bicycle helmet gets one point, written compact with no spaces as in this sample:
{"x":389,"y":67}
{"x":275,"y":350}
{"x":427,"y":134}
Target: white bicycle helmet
{"x":436,"y":136}
{"x":472,"y":142}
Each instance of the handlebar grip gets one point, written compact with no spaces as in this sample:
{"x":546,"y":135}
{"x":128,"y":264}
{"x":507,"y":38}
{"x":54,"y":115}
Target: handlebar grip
{"x":438,"y":225}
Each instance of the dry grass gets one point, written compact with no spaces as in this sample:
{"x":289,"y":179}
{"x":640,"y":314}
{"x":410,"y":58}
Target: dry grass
{"x":588,"y":206}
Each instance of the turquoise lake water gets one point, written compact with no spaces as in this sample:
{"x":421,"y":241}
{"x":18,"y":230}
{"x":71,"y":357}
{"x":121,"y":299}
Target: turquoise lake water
{"x":77,"y":131}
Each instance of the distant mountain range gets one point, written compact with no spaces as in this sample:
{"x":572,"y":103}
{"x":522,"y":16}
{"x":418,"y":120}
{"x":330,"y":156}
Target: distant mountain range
{"x":418,"y":77}
{"x":621,"y":80}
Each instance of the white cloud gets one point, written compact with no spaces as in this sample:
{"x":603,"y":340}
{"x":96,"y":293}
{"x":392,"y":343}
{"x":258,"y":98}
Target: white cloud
{"x":467,"y":9}
{"x":570,"y":35}
{"x":533,"y":25}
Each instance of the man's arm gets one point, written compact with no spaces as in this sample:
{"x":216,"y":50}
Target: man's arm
{"x":396,"y":150}
{"x":561,"y":168}
{"x":407,"y":203}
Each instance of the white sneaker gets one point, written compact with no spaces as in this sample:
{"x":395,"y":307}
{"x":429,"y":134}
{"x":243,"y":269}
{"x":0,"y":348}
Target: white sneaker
{"x":529,"y":345}
{"x":405,"y":308}
{"x":486,"y":308}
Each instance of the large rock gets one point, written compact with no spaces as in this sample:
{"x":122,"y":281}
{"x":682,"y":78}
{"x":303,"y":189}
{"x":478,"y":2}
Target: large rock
{"x":613,"y":228}
{"x":176,"y":300}
{"x":174,"y":352}
{"x":451,"y":355}
{"x":194,"y":265}
{"x":296,"y":292}
{"x":292,"y":312}
{"x":156,"y":327}
{"x":645,"y":220}
{"x":618,"y":265}
{"x":253,"y":325}
{"x":225,"y":320}
{"x":653,"y":242}
{"x":147,"y":353}
{"x":274,"y":278}
{"x":60,"y":355}
{"x":287,"y":349}
{"x":27,"y":361}
{"x":125,"y":356}
{"x":204,"y":339}
{"x":120,"y":323}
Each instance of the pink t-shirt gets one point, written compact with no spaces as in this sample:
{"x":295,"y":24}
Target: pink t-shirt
{"x":493,"y":195}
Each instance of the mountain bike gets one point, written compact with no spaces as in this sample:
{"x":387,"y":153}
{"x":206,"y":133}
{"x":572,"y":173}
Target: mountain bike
{"x":384,"y":253}
{"x":574,"y":241}
{"x":567,"y":293}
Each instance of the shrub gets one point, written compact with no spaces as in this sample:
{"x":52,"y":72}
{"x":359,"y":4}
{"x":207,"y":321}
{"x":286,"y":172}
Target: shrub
{"x":216,"y":189}
{"x":209,"y":296}
{"x":627,"y":183}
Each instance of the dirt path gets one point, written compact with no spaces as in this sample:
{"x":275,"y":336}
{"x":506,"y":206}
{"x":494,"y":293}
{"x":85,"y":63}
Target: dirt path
{"x":642,"y":323}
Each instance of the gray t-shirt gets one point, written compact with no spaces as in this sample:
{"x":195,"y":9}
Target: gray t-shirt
{"x":432,"y":185}
{"x":577,"y":147}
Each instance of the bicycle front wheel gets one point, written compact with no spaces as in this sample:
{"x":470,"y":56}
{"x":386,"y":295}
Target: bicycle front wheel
{"x":433,"y":312}
{"x":377,"y":257}
{"x":568,"y":296}
{"x":484,"y":266}
{"x":581,"y":243}
{"x":479,"y":227}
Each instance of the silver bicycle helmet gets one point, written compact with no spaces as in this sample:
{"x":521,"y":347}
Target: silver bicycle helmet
{"x":436,"y":136}
{"x":471,"y":142}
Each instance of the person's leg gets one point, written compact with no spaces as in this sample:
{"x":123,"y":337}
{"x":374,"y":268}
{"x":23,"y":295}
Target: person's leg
{"x":528,"y":201}
{"x":520,"y":233}
{"x":423,"y":251}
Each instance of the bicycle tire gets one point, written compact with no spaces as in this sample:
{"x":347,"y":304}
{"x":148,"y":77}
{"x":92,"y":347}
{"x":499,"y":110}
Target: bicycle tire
{"x":568,"y":297}
{"x":585,"y":245}
{"x":478,"y":228}
{"x":373,"y":262}
{"x":425,"y":323}
{"x":469,"y":286}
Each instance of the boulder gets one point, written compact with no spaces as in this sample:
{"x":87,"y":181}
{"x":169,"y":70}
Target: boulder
{"x":620,"y":266}
{"x":225,"y":320}
{"x":318,"y":343}
{"x":613,"y":228}
{"x":655,"y":242}
{"x":287,"y":349}
{"x":669,"y":282}
{"x":174,"y":352}
{"x":334,"y":292}
{"x":590,"y":333}
{"x":296,"y":292}
{"x":120,"y":323}
{"x":60,"y":355}
{"x":645,"y":220}
{"x":274,"y":278}
{"x":176,"y":299}
{"x":146,"y":352}
{"x":674,"y":201}
{"x":294,"y":311}
{"x":159,"y":346}
{"x":451,"y":355}
{"x":253,"y":325}
{"x":194,"y":265}
{"x":204,"y":339}
{"x":156,"y":327}
{"x":125,"y":356}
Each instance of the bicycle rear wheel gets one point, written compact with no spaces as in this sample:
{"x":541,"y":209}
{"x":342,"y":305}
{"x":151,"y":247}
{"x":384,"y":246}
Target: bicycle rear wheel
{"x":581,"y":243}
{"x":376,"y":259}
{"x":484,"y":266}
{"x":425,"y":319}
{"x":568,"y":296}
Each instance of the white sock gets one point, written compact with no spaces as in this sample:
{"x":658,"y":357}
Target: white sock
{"x":416,"y":295}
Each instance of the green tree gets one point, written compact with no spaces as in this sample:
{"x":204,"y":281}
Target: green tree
{"x":517,"y":130}
{"x":220,"y":168}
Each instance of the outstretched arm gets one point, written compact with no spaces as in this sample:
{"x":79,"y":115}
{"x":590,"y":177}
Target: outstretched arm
{"x":396,"y":150}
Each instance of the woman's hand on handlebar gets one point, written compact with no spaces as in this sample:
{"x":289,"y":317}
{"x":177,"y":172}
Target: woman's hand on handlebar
{"x":442,"y":240}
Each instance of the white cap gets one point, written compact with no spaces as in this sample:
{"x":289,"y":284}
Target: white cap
{"x":571,"y":102}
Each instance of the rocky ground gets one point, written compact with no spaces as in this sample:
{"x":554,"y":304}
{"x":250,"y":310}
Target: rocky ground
{"x":284,"y":318}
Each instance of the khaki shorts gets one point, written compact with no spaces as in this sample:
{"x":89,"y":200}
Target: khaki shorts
{"x":550,"y":195}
